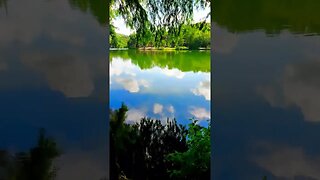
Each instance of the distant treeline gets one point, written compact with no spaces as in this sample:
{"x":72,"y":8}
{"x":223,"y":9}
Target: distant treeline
{"x":192,"y":36}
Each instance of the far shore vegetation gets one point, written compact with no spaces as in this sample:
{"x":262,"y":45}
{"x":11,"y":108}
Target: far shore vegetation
{"x":193,"y":37}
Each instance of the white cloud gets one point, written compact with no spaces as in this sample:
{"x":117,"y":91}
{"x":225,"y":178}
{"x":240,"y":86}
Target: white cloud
{"x":129,"y":84}
{"x":299,"y":87}
{"x":69,"y":57}
{"x":288,"y":162}
{"x":157,"y":108}
{"x":64,"y":73}
{"x":302,"y":89}
{"x":124,"y":73}
{"x":43,"y":19}
{"x":173,"y":73}
{"x":144,"y":83}
{"x":118,"y":66}
{"x":203,"y":90}
{"x":201,"y":14}
{"x":121,"y":27}
{"x":200,"y":113}
{"x":171,"y":109}
{"x":135,"y":115}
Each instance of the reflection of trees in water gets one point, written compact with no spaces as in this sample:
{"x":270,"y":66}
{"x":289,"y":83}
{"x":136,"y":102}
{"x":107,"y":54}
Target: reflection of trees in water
{"x":37,"y":164}
{"x":273,"y":16}
{"x":98,"y":8}
{"x":184,"y":61}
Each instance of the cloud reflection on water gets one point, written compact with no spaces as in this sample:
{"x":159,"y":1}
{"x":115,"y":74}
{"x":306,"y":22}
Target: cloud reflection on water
{"x":162,"y":92}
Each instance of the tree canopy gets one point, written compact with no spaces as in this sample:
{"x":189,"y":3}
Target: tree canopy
{"x":156,"y":15}
{"x":157,"y":18}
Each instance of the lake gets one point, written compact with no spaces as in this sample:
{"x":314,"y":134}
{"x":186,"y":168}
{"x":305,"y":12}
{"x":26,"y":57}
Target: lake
{"x":266,"y":96}
{"x":266,"y":89}
{"x":53,"y":75}
{"x":161,"y":84}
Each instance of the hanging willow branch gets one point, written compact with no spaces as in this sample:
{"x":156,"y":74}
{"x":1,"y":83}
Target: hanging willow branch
{"x":157,"y":16}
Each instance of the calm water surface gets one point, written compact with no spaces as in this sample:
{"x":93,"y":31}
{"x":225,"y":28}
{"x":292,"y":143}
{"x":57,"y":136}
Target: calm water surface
{"x":53,"y":75}
{"x":266,"y":90}
{"x":161,"y":85}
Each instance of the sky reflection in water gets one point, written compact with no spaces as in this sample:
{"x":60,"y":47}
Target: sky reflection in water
{"x":153,"y":85}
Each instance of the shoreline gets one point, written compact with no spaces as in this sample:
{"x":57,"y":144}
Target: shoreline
{"x":159,"y":49}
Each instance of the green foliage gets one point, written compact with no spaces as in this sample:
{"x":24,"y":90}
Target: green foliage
{"x":117,"y":40}
{"x":197,"y":35}
{"x":139,"y":150}
{"x":186,"y":61}
{"x":156,"y":17}
{"x":193,"y":36}
{"x":132,"y":42}
{"x":195,"y":162}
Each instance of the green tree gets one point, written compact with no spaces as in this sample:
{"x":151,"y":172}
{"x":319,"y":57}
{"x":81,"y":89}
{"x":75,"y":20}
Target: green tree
{"x":192,"y":36}
{"x":195,"y":162}
{"x":113,"y":37}
{"x":132,"y":42}
{"x":122,"y":41}
{"x":197,"y":35}
{"x":157,"y":16}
